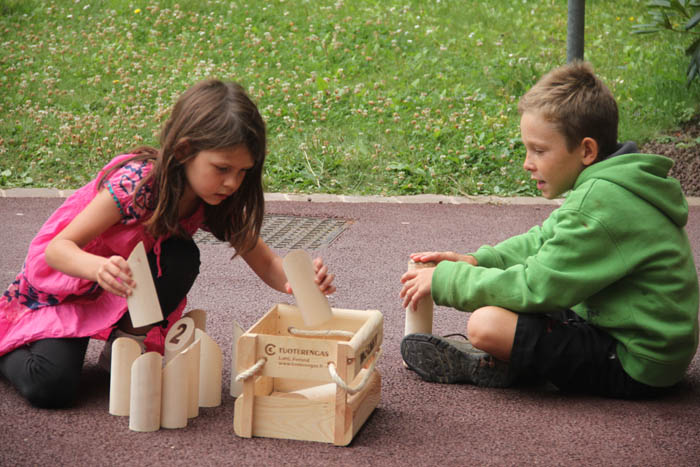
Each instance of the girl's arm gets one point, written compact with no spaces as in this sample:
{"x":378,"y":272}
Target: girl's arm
{"x":268,"y":266}
{"x":64,"y":252}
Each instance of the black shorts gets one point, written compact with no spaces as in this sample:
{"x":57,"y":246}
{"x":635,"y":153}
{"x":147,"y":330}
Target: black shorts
{"x":574,"y":355}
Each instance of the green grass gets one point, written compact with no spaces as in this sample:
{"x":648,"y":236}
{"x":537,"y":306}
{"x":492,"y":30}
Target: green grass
{"x":360,"y":97}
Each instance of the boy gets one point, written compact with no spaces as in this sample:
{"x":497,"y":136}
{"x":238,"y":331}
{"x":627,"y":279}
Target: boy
{"x":603,"y":297}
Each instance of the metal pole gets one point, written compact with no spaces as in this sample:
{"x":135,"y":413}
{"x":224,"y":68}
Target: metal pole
{"x":574,"y":30}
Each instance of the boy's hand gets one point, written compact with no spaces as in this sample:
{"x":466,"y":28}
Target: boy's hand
{"x":114,"y":276}
{"x":323,"y":278}
{"x":437,"y":256}
{"x":416,"y":285}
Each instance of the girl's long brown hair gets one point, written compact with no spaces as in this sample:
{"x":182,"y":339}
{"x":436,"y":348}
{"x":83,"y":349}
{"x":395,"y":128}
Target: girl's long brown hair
{"x":210,"y":115}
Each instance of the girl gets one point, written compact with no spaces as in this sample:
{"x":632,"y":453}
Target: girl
{"x":75,"y":280}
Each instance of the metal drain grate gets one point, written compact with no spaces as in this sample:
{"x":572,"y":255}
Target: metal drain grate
{"x":291,"y":232}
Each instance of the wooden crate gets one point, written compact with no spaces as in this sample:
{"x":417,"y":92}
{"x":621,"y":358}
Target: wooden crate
{"x":273,"y":403}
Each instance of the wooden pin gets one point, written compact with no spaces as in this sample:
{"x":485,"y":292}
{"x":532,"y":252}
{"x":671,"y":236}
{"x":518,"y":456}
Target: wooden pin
{"x":144,"y":308}
{"x":145,"y":401}
{"x":124,"y":352}
{"x":175,"y":398}
{"x":210,"y":366}
{"x":314,"y":306}
{"x":199,"y":317}
{"x":179,"y":337}
{"x":420,"y":320}
{"x":192,"y":354}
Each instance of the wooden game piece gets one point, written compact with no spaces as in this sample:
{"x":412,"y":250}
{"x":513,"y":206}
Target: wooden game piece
{"x":314,"y":306}
{"x":420,"y":320}
{"x":175,"y":397}
{"x":192,"y":354}
{"x":143,"y":304}
{"x":321,"y":392}
{"x":210,"y":366}
{"x":179,"y":337}
{"x":124,"y":352}
{"x":146,"y":385}
{"x":199,"y":317}
{"x":236,"y":386}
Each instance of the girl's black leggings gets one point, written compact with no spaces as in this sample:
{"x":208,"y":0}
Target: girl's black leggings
{"x":47,"y":372}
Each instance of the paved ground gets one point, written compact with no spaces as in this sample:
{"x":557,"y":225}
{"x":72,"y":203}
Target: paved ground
{"x":416,"y":423}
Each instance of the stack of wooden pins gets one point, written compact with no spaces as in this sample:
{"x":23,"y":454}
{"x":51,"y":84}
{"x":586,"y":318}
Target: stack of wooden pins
{"x":157,"y":392}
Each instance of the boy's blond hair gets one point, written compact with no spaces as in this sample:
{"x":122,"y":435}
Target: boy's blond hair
{"x":574,"y":99}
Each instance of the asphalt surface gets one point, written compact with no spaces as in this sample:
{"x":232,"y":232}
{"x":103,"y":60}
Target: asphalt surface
{"x":416,"y":423}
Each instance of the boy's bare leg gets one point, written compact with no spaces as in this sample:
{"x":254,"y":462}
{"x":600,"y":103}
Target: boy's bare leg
{"x":492,"y":329}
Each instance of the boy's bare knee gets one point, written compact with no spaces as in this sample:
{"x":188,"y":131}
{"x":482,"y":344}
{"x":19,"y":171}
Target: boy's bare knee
{"x":481,"y":326}
{"x":492,"y":329}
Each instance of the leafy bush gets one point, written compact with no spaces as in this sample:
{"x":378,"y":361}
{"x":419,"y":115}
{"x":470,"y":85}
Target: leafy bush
{"x":670,"y":15}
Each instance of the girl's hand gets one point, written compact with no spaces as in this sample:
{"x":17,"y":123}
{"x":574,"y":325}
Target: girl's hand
{"x":416,"y":285}
{"x":114,"y":276}
{"x":323,"y":278}
{"x":437,"y":256}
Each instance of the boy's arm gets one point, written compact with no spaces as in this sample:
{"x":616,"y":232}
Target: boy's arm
{"x":577,"y":259}
{"x":512,"y":251}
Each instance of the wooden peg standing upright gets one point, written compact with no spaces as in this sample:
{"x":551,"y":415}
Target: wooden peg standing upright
{"x":192,"y":354}
{"x":175,"y":397}
{"x":124,"y":352}
{"x":199,"y":317}
{"x":420,"y":320}
{"x":146,"y":385}
{"x":314,"y":306}
{"x":179,"y":337}
{"x":210,"y":366}
{"x":236,"y":386}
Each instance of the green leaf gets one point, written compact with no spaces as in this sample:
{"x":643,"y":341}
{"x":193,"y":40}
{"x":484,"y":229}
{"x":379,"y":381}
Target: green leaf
{"x":679,"y":7}
{"x":694,"y":48}
{"x":645,"y":29}
{"x":692,"y":72}
{"x":693,"y":21}
{"x":659,"y":3}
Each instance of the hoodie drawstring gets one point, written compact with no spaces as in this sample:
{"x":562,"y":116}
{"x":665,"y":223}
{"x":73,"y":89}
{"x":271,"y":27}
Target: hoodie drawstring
{"x":156,"y":250}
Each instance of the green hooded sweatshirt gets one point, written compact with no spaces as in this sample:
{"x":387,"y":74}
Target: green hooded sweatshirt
{"x":615,"y":252}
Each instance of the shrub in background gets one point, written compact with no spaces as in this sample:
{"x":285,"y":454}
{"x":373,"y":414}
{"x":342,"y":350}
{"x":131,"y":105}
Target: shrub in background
{"x":677,"y":16}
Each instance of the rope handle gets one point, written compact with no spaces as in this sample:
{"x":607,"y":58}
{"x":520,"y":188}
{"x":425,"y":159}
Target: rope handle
{"x":243,"y":375}
{"x":338,"y":380}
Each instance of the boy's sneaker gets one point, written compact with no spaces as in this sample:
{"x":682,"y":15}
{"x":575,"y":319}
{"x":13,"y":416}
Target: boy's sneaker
{"x":105,"y":360}
{"x":444,"y":360}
